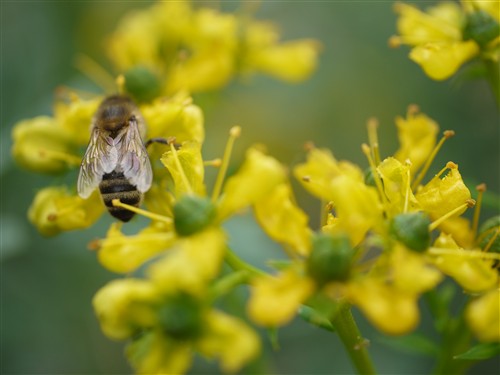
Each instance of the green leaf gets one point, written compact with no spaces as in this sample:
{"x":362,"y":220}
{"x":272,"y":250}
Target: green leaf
{"x":481,"y":351}
{"x":414,"y":343}
{"x":315,"y":317}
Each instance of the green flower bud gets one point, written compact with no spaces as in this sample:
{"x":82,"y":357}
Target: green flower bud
{"x":369,"y":179}
{"x":486,"y":233}
{"x":142,"y":84}
{"x":412,"y":229}
{"x":181,"y":317}
{"x":192,"y":214}
{"x":481,"y":27}
{"x":330,"y":259}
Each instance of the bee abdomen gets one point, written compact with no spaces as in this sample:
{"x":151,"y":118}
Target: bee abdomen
{"x":115,"y":185}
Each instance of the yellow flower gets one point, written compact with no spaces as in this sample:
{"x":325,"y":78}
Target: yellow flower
{"x":55,"y":210}
{"x":200,"y":49}
{"x":41,"y":145}
{"x":436,"y":38}
{"x":417,"y":138}
{"x":442,"y":195}
{"x":357,"y":205}
{"x":483,"y":316}
{"x":167,"y":316}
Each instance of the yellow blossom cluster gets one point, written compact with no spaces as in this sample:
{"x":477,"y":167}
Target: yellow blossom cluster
{"x":200,"y":49}
{"x":386,"y":239}
{"x":447,"y":35}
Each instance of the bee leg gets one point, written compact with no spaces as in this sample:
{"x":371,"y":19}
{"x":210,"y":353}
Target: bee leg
{"x":163,"y":141}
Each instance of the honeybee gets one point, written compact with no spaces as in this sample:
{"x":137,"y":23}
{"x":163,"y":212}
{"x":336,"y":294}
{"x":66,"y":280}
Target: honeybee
{"x":116,"y":159}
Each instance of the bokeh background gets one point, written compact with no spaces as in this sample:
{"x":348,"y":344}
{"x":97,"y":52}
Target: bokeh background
{"x":47,"y":323}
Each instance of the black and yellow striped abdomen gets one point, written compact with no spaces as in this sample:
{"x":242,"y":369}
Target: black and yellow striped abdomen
{"x":115,"y":185}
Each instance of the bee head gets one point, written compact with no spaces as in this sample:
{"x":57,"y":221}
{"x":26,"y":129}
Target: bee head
{"x":114,"y":113}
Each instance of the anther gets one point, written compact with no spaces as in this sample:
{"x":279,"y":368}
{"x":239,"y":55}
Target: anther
{"x":309,"y":146}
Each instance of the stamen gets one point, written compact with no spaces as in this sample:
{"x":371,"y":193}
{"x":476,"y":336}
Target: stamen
{"x":378,"y":182}
{"x":185,"y":181}
{"x":408,"y":188}
{"x":150,"y":215}
{"x":213,"y":163}
{"x":372,"y":126}
{"x":446,"y":134}
{"x":59,"y":155}
{"x":464,"y":253}
{"x":234,"y":133}
{"x":477,"y":210}
{"x":120,"y":84}
{"x":309,"y":146}
{"x":492,"y":239}
{"x":468,"y":204}
{"x":95,"y":72}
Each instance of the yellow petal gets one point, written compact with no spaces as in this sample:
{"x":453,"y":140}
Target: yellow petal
{"x":412,"y":273}
{"x":207,"y":69}
{"x":193,"y":262}
{"x":441,"y":60}
{"x":274,"y":300}
{"x":153,"y":353}
{"x":357,"y":206}
{"x":491,"y":7}
{"x":442,"y":195}
{"x":460,"y":229}
{"x":122,"y":254}
{"x":472,"y":273}
{"x":292,"y":61}
{"x":283,"y":220}
{"x":176,"y":117}
{"x":229,"y":339}
{"x":192,"y":167}
{"x":395,"y":177}
{"x":318,"y":172}
{"x":483,"y":316}
{"x":391,"y":310}
{"x":55,"y":210}
{"x":125,"y":306}
{"x":257,"y":177}
{"x":441,"y":22}
{"x":42,"y":145}
{"x":417,"y":138}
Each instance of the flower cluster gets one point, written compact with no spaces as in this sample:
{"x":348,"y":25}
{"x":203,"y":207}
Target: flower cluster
{"x":448,"y":35}
{"x":173,"y":46}
{"x":386,"y":238}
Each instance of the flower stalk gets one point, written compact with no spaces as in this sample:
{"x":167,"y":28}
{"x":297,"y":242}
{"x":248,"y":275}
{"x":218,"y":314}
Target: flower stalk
{"x":355,"y":344}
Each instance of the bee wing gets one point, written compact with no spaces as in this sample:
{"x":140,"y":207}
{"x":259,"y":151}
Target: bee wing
{"x":134,"y":159}
{"x":101,"y":157}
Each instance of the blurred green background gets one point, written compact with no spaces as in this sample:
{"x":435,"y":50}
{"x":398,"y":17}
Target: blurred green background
{"x":47,"y":322}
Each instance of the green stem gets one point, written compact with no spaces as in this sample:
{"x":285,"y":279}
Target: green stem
{"x":494,"y":78}
{"x":238,"y":264}
{"x":353,"y":341}
{"x":228,"y":283}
